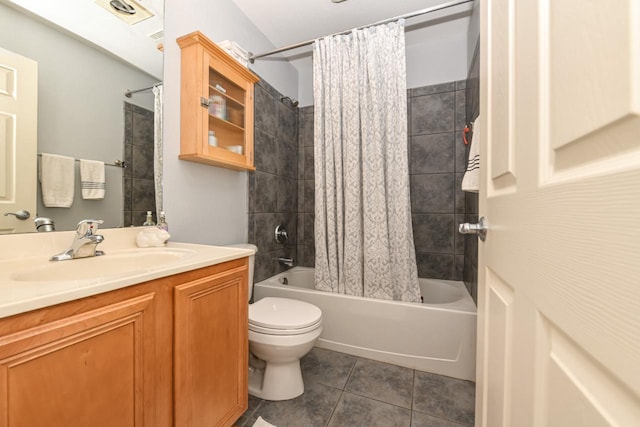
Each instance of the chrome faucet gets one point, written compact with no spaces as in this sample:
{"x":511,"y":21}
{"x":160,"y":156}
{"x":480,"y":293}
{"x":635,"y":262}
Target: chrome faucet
{"x":84,"y":242}
{"x":286,"y":261}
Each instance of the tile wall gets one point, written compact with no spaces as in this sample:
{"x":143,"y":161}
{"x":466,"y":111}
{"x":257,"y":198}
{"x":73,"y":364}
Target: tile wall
{"x":273,"y":186}
{"x":138,"y":185}
{"x":436,"y":166}
{"x":281,"y":190}
{"x":306,"y":189}
{"x":470,"y":274}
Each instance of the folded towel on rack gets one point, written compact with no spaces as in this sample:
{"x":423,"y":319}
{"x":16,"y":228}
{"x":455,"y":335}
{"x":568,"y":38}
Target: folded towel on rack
{"x":57,"y":175}
{"x":471,"y":178}
{"x":92,"y":181}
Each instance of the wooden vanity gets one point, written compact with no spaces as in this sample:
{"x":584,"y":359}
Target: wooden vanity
{"x":171,"y":351}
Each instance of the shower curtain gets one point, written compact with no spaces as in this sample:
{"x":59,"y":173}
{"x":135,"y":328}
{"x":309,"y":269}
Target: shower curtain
{"x":363,"y":234}
{"x":157,"y":146}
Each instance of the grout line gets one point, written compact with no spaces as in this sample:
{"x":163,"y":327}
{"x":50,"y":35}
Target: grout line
{"x":334,"y":408}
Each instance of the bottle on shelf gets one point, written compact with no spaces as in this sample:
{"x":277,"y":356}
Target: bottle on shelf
{"x":218,"y":106}
{"x":149,"y":221}
{"x":213,"y":141}
{"x":162,"y":222}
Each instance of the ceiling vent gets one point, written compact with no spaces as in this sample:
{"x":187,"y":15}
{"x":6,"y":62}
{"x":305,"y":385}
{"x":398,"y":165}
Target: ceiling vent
{"x":157,"y":36}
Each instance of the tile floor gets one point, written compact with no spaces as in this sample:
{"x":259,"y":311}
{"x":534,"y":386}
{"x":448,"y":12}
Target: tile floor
{"x":344,"y":390}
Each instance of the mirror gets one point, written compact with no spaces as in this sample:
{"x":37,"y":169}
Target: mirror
{"x":87,"y":58}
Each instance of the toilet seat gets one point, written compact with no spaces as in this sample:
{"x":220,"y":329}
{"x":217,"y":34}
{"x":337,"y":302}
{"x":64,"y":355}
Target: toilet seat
{"x":273,"y":331}
{"x":283,"y":316}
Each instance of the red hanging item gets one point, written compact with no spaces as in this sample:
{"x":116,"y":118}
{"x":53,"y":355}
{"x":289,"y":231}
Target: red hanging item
{"x":465,"y":131}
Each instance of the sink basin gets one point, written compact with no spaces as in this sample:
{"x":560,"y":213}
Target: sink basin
{"x":125,"y":262}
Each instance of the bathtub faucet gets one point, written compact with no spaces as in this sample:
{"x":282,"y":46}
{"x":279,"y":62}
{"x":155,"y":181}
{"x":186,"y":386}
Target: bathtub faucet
{"x":286,"y":261}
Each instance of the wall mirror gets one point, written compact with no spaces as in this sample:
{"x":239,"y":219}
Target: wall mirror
{"x":87,"y":57}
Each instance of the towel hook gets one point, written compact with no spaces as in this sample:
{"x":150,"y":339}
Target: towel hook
{"x":467,"y":128}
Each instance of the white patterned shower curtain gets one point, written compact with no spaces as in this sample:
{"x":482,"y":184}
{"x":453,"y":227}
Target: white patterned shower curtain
{"x":363,"y":234}
{"x":158,"y":146}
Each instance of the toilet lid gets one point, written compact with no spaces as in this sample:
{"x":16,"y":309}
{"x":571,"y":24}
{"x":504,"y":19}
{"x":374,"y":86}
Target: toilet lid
{"x":283,"y":313}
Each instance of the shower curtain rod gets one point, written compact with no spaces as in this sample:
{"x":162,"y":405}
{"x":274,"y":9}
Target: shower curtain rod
{"x":128,"y":92}
{"x":441,"y":6}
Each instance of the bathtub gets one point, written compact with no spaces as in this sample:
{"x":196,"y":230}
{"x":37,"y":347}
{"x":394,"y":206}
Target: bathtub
{"x":438,"y":336}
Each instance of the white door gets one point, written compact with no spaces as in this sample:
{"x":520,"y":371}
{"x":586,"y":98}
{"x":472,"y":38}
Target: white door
{"x":18,"y":140}
{"x":559,"y":291}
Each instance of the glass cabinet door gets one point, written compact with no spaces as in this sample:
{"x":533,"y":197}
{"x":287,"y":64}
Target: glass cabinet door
{"x":226,"y":129}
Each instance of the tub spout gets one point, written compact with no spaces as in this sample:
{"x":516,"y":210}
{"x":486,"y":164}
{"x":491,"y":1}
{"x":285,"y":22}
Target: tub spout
{"x":286,"y":261}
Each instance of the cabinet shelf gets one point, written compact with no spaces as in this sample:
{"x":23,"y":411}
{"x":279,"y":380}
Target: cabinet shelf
{"x":229,"y":99}
{"x":227,"y":124}
{"x":204,"y":68}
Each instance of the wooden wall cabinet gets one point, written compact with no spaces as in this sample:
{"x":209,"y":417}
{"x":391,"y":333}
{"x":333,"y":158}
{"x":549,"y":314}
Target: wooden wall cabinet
{"x":216,"y":96}
{"x":169,"y":352}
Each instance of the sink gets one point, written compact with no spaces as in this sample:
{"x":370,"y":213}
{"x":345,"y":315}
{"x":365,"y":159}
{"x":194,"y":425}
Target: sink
{"x":124,"y":262}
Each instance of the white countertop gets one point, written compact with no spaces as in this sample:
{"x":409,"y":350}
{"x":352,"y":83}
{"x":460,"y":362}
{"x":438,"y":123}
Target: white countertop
{"x":25,"y":255}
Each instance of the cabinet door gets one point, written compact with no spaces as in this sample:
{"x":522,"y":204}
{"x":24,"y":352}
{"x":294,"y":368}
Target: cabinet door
{"x":211,"y":349}
{"x":90,"y":369}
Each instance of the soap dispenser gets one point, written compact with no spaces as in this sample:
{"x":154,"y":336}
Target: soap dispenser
{"x":149,"y":220}
{"x":162,"y":222}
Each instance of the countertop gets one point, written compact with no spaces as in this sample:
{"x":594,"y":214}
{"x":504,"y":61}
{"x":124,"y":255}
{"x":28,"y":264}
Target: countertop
{"x":26,"y":255}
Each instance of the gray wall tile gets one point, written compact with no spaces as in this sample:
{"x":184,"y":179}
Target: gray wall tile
{"x":287,"y":123}
{"x":435,"y":266}
{"x":266,"y":113}
{"x":433,"y":113}
{"x":432,"y":153}
{"x":428,"y":90}
{"x":459,"y":194}
{"x":432,"y":193}
{"x":433,"y":233}
{"x":266,"y":192}
{"x":460,"y":110}
{"x":265,"y":152}
{"x":287,"y":160}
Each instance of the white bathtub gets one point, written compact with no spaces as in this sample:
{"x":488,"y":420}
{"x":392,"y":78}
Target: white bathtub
{"x":438,"y":336}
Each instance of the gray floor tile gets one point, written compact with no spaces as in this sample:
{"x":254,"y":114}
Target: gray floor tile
{"x":353,"y":410}
{"x":327,"y":367}
{"x":312,"y":409}
{"x":418,"y":419}
{"x":444,"y":397}
{"x":382,"y":381}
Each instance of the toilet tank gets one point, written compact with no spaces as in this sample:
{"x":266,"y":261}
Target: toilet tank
{"x":252,"y":263}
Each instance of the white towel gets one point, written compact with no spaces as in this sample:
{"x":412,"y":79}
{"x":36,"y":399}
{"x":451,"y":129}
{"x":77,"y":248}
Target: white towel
{"x":57,"y":175}
{"x":471,"y":178}
{"x":92,"y":179}
{"x":262,"y":423}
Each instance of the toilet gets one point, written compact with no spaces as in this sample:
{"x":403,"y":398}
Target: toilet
{"x":281,"y":332}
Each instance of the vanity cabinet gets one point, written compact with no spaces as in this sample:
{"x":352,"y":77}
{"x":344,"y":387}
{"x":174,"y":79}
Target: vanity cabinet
{"x":216,"y":105}
{"x":168,"y":352}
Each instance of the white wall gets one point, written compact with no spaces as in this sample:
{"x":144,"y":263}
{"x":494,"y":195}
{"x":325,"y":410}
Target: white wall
{"x":436,"y":53}
{"x":206,"y":204}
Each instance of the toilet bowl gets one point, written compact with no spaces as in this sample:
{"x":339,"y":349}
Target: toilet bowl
{"x":281,"y":332}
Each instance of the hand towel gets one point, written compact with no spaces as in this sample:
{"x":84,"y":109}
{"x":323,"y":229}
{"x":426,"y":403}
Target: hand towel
{"x":92,"y":179}
{"x":262,"y":423}
{"x":471,"y":178}
{"x":57,"y":175}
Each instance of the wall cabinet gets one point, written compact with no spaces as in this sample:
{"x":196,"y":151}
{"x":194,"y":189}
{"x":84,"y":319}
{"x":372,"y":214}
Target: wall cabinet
{"x":123,"y":358}
{"x":216,"y":105}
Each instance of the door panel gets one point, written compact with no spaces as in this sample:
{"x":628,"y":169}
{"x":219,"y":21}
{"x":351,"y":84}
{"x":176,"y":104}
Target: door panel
{"x":558,"y":281}
{"x":18,"y":139}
